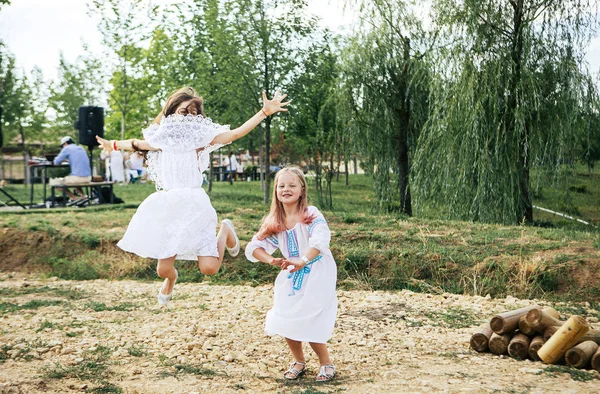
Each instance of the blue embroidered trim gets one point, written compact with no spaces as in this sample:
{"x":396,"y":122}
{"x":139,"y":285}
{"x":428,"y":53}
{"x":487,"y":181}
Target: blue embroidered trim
{"x":313,"y":224}
{"x":292,"y":243}
{"x":273,"y":241}
{"x":298,"y":276}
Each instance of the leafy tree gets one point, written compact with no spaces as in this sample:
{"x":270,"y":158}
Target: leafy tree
{"x":313,"y":133}
{"x":506,"y":101}
{"x":384,"y":64}
{"x":267,"y":35}
{"x":79,"y":83}
{"x":124,"y":26}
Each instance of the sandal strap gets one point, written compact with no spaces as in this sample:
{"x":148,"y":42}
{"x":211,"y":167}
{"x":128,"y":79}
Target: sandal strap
{"x":322,"y":371}
{"x":295,"y":371}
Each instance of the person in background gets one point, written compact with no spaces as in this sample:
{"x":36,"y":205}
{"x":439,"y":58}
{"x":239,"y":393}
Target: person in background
{"x":114,"y":166}
{"x":79,"y":162}
{"x":232,"y":167}
{"x":134,"y":162}
{"x":240,"y":168}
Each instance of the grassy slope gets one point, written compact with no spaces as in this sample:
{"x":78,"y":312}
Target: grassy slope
{"x":377,"y":251}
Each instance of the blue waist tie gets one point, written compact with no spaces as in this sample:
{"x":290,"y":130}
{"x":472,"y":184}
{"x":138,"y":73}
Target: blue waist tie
{"x":298,"y":276}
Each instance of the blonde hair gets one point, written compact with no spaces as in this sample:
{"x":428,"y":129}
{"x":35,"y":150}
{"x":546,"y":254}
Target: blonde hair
{"x":274,"y":222}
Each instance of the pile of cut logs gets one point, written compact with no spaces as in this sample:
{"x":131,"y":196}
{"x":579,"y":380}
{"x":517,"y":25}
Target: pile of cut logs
{"x":537,"y":333}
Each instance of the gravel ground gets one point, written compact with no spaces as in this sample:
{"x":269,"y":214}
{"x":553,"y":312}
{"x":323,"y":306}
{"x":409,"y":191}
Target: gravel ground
{"x":109,"y":337}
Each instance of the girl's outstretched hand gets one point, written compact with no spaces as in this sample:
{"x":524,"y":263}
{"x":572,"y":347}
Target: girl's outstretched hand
{"x":104,"y":144}
{"x":275,"y":105}
{"x":293,"y":265}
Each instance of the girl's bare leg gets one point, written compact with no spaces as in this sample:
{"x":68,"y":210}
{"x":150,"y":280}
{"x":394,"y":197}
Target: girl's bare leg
{"x":209,"y":265}
{"x":321,"y":350}
{"x":166,"y":269}
{"x":297,"y":352}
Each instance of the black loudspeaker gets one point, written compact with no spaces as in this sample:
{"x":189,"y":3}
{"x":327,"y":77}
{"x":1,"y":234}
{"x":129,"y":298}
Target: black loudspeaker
{"x":90,"y":124}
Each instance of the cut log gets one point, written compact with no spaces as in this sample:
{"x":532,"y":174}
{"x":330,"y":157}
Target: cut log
{"x":552,"y":312}
{"x":534,"y":346}
{"x":548,"y":332}
{"x":596,"y":360}
{"x":563,"y":339}
{"x":508,"y":322}
{"x":480,"y":340}
{"x":525,"y":327}
{"x":519,"y":346}
{"x":540,"y":319}
{"x":591,"y":335}
{"x":581,"y":355}
{"x":499,"y":343}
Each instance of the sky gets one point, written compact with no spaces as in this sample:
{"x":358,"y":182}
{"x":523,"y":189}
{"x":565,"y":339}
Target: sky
{"x":36,"y":31}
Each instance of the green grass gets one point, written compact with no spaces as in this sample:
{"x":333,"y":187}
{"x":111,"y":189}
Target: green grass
{"x":373,"y":250}
{"x":94,"y":367}
{"x":576,"y":374}
{"x":8,"y":307}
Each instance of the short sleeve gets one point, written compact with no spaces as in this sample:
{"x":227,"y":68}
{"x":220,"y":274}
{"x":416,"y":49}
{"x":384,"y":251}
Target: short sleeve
{"x":319,"y":234}
{"x":269,"y":244}
{"x":179,"y":132}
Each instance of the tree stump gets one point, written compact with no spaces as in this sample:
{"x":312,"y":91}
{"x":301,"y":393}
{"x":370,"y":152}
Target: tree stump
{"x":525,"y":327}
{"x":519,"y":346}
{"x":499,"y":343}
{"x":509,"y":321}
{"x":535,"y":345}
{"x":581,"y":355}
{"x":480,"y":340}
{"x":540,"y":319}
{"x":563,"y":339}
{"x":596,"y":360}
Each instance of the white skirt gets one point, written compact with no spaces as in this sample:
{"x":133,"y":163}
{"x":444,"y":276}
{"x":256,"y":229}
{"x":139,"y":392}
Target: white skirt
{"x":177,"y":222}
{"x":307,"y":314}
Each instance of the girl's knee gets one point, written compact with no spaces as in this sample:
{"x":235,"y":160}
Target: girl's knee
{"x":164,"y":272}
{"x":208,"y":270}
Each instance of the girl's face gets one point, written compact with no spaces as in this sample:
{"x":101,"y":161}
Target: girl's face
{"x":289,"y":188}
{"x":186,"y":108}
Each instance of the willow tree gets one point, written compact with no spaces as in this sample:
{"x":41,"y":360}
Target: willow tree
{"x":507,"y":100}
{"x":384,"y":63}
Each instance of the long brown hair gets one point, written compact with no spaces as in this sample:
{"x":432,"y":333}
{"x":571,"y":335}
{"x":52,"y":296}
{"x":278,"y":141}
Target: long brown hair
{"x":173,"y":101}
{"x":274,"y":222}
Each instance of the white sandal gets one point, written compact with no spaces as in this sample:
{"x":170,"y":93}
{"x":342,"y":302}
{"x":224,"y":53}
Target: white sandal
{"x":323,"y":373}
{"x":163,"y":299}
{"x":236,"y":249}
{"x":295,"y":373}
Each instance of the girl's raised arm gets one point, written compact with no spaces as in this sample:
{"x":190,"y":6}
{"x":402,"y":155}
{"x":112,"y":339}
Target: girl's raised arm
{"x":109,"y":146}
{"x":270,"y":107}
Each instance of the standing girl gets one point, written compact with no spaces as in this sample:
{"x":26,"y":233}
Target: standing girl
{"x":305,"y":304}
{"x":178,"y":220}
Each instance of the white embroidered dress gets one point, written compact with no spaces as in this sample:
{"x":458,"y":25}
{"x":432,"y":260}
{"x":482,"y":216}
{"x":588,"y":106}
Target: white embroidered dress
{"x":178,"y":219}
{"x":305,"y":303}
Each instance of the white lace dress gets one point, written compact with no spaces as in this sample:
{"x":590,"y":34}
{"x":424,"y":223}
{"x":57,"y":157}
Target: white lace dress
{"x":178,"y":219}
{"x":305,"y":303}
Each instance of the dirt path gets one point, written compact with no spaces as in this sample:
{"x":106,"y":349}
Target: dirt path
{"x":109,"y":337}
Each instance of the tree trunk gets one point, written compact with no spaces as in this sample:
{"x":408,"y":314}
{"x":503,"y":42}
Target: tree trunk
{"x":525,"y":205}
{"x":346,"y":172}
{"x":402,"y":140}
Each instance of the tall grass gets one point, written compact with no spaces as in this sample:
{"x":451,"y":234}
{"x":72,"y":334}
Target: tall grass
{"x":373,"y":250}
